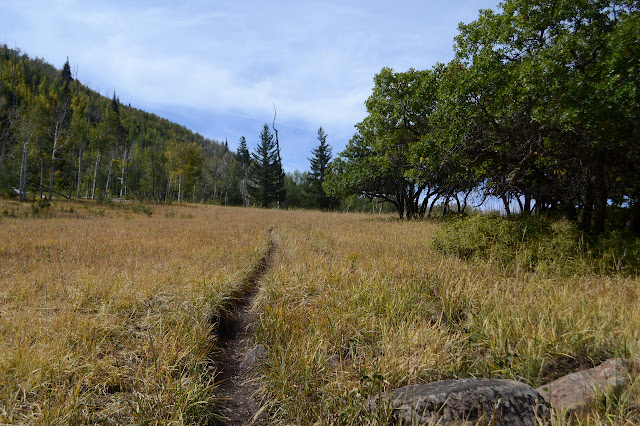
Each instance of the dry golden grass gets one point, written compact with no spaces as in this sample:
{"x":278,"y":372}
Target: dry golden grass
{"x":103,"y":314}
{"x":104,"y":310}
{"x":357,"y":305}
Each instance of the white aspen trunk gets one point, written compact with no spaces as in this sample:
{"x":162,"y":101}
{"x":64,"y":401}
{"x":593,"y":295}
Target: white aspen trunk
{"x":78,"y":189}
{"x":41,"y":176}
{"x":95,"y":177}
{"x":23,"y":172}
{"x":122,"y":182}
{"x":180,"y":188}
{"x":106,"y":188}
{"x":56,"y":136}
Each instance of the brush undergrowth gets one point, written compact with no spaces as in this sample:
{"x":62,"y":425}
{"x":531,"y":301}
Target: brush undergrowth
{"x":539,"y":245}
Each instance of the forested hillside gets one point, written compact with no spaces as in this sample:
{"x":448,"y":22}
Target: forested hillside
{"x":60,"y":138}
{"x":541,"y":107}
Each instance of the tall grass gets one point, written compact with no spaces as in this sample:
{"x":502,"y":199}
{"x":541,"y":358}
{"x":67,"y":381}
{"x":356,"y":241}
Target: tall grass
{"x":104,"y":310}
{"x":358,"y":305}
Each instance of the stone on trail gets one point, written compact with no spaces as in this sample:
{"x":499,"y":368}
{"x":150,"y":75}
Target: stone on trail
{"x":463,"y":401}
{"x":252,"y":358}
{"x":576,"y":390}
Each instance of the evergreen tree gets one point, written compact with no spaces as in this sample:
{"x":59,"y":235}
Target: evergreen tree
{"x":243,"y":155}
{"x":66,"y":73}
{"x":319,"y":162}
{"x":266,"y":171}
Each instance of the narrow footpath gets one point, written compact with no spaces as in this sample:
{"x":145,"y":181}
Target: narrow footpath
{"x":236,"y":385}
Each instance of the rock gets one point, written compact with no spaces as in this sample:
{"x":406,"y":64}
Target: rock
{"x":576,"y":390}
{"x":483,"y":401}
{"x":252,"y":358}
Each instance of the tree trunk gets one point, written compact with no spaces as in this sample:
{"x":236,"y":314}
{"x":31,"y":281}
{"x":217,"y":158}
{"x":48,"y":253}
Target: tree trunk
{"x":587,"y":208}
{"x":445,"y":207}
{"x":106,"y":188}
{"x":433,"y":204}
{"x":95,"y":177}
{"x":520,"y":205}
{"x":122,"y":181}
{"x":23,"y":172}
{"x":527,"y":204}
{"x":41,"y":176}
{"x":505,"y":201}
{"x":79,"y":188}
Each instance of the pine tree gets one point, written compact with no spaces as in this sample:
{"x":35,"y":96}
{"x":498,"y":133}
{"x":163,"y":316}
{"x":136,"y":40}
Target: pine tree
{"x":319,"y":161}
{"x":266,"y":171}
{"x":243,"y":155}
{"x":66,"y":73}
{"x":244,"y":159}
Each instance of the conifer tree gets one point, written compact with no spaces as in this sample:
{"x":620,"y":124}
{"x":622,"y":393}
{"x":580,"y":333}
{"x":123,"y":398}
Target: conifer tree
{"x":243,"y":155}
{"x":66,"y":73}
{"x":265,"y":172}
{"x":319,"y":162}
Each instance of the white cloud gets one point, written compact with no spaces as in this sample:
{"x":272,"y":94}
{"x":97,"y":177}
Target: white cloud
{"x":315,"y":61}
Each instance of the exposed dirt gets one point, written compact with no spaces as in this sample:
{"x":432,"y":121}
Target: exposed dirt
{"x":237,"y":388}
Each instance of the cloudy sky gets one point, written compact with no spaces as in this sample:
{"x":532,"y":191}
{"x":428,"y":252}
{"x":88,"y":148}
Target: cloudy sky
{"x":218,"y":67}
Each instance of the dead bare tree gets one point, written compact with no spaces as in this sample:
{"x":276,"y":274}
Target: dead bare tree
{"x":280,"y":190}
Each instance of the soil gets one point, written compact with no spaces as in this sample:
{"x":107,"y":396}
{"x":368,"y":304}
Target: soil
{"x":238,"y":389}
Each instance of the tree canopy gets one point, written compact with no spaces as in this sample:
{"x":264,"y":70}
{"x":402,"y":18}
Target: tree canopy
{"x":540,"y":106}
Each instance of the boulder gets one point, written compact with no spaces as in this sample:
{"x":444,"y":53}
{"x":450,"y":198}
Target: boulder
{"x":576,"y":390}
{"x":462,"y":401}
{"x":252,"y":358}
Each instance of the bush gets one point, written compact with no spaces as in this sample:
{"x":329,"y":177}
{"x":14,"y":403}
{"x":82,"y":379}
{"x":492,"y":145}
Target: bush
{"x":537,"y":244}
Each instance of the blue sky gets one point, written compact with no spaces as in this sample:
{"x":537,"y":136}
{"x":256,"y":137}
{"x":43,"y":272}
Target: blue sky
{"x":218,"y":67}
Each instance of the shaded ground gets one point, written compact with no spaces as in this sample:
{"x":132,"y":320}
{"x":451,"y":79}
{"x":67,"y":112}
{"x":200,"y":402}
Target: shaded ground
{"x":236,"y":387}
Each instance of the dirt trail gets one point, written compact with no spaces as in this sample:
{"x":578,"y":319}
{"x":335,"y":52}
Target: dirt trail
{"x":235,"y":331}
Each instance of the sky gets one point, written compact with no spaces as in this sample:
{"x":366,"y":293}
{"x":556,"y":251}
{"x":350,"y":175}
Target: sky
{"x":219,"y":67}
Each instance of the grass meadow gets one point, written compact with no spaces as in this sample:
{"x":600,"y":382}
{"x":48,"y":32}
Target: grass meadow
{"x":105,"y":314}
{"x":361,"y":304}
{"x":104,"y":310}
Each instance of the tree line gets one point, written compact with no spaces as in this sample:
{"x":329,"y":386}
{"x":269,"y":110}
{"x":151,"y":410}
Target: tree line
{"x":541,"y":106}
{"x":58,"y":138}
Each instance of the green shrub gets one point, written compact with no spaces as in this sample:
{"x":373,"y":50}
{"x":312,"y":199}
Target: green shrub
{"x":537,"y":244}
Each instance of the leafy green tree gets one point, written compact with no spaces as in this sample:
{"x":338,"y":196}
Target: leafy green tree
{"x":185,"y":163}
{"x":542,"y":106}
{"x":265,"y":174}
{"x":382,"y":159}
{"x":295,"y":185}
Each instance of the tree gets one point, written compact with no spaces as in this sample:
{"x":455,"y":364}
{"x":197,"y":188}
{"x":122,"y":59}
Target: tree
{"x":244,"y":159}
{"x":548,"y":107}
{"x":66,"y":73}
{"x":265,"y":174}
{"x":185,"y":164}
{"x":30,"y":128}
{"x":319,"y":162}
{"x":382,"y":159}
{"x":296,"y":184}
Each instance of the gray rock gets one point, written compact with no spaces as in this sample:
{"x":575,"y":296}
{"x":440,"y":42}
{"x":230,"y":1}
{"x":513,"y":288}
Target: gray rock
{"x":576,"y":390}
{"x":478,"y":401}
{"x":252,"y":358}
